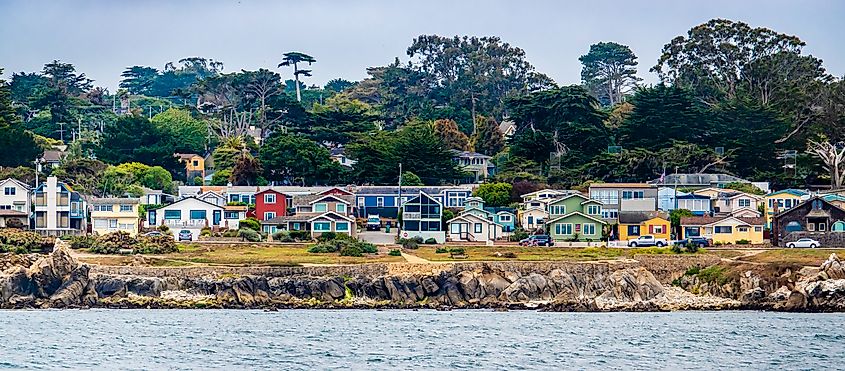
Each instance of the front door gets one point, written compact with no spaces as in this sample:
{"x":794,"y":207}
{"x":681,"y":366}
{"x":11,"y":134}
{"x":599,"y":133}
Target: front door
{"x":217,"y":217}
{"x":151,"y":220}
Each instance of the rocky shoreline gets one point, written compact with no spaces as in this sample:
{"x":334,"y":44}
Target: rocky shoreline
{"x":647,"y":283}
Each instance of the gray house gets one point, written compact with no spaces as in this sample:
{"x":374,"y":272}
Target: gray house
{"x":619,"y":197}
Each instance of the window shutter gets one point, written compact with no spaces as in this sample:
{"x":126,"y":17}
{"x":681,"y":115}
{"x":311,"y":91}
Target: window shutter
{"x":650,"y":229}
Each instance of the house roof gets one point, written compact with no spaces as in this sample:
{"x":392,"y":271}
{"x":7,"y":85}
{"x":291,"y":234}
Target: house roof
{"x":456,"y":153}
{"x":467,"y":217}
{"x":566,"y":197}
{"x":211,"y":193}
{"x":52,"y":156}
{"x":186,"y":156}
{"x":114,"y":200}
{"x":708,"y":220}
{"x":693,"y":196}
{"x":637,"y":217}
{"x":345,"y":192}
{"x":576,"y":213}
{"x":193,"y":198}
{"x":17,"y":182}
{"x":235,"y":208}
{"x":12,"y":213}
{"x":302,"y":200}
{"x":394,"y":190}
{"x":330,"y":215}
{"x":796,"y":207}
{"x":506,"y":125}
{"x":287,"y":218}
{"x":621,"y":185}
{"x":833,"y":197}
{"x":794,"y":192}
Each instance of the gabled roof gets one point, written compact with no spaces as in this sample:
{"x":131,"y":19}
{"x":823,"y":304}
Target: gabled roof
{"x":794,"y":192}
{"x":287,"y":218}
{"x":343,"y":191}
{"x":15,"y":181}
{"x":417,"y":199}
{"x":575,"y":213}
{"x":330,"y":215}
{"x":270,"y":190}
{"x":546,"y":190}
{"x":193,"y":198}
{"x":210,"y":193}
{"x":710,"y":220}
{"x":566,"y":197}
{"x":698,"y":179}
{"x":637,"y":217}
{"x":467,"y":217}
{"x":13,"y":213}
{"x":114,"y":200}
{"x":621,"y":185}
{"x":734,"y":211}
{"x":302,"y":200}
{"x":52,"y":156}
{"x":334,"y":198}
{"x":796,"y":207}
{"x":394,"y":190}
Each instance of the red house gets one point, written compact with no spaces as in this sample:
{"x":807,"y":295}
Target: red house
{"x":335,"y":191}
{"x":270,"y":204}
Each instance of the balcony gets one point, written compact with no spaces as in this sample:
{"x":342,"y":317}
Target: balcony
{"x":178,"y":223}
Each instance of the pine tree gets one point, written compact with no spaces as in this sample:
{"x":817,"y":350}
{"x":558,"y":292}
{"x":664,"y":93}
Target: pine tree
{"x":452,"y":137}
{"x":487,"y":138}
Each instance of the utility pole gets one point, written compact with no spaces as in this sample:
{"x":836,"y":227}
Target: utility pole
{"x":399,"y":206}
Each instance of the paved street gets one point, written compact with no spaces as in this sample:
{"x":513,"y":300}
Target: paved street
{"x":378,"y":237}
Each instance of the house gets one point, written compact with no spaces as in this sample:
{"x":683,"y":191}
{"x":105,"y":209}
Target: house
{"x":59,"y":210}
{"x":777,"y":202}
{"x":114,"y":214}
{"x":507,"y":127}
{"x":51,"y":158}
{"x":533,"y":218}
{"x":479,"y":223}
{"x":15,"y":196}
{"x":815,"y":218}
{"x":384,"y":200}
{"x":156,"y":197}
{"x":575,"y":216}
{"x":213,"y":197}
{"x":422,"y":217}
{"x":545,"y":194}
{"x":701,"y":180}
{"x":189,"y":213}
{"x":270,"y":204}
{"x":316,"y":214}
{"x":476,"y":164}
{"x":723,"y":229}
{"x":233,"y":214}
{"x":633,"y":224}
{"x":339,"y":155}
{"x":617,"y":197}
{"x":730,"y":202}
{"x":666,"y":198}
{"x":835,"y":199}
{"x":194,"y":165}
{"x":699,"y":205}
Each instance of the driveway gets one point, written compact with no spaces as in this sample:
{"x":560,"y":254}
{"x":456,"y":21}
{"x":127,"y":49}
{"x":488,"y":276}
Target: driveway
{"x":378,"y":237}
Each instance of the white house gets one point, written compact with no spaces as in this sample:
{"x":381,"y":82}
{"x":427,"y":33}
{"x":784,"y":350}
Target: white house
{"x":188,"y":213}
{"x":533,"y":218}
{"x":213,"y":198}
{"x":14,"y":203}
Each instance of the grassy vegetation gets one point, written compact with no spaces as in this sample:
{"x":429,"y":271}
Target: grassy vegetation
{"x":526,"y":253}
{"x":808,"y":257}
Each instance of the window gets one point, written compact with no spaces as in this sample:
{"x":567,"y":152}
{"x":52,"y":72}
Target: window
{"x":811,"y":227}
{"x":692,"y":232}
{"x":839,"y":226}
{"x":723,"y":229}
{"x":112,"y":223}
{"x":198,"y":214}
{"x":633,"y":230}
{"x":320,"y":208}
{"x":125,"y":208}
{"x":563,"y":228}
{"x":101,"y":223}
{"x":322,"y":226}
{"x":477,"y":228}
{"x":429,"y":226}
{"x":505,"y":218}
{"x":758,"y":229}
{"x":589,"y":229}
{"x":231,"y":215}
{"x":103,"y":207}
{"x":172,"y":214}
{"x":5,"y":207}
{"x":658,"y":229}
{"x":196,"y":163}
{"x":341,"y":208}
{"x":269,"y":215}
{"x":530,"y":220}
{"x":379,"y":201}
{"x":605,"y":196}
{"x":411,"y":225}
{"x":126,"y":226}
{"x":557,"y":209}
{"x":269,"y":198}
{"x":744,"y":202}
{"x":628,"y":195}
{"x":743,"y":229}
{"x":593,"y":210}
{"x":361,"y":202}
{"x":822,"y":227}
{"x":787,"y":203}
{"x":609,"y":213}
{"x":341,"y":226}
{"x":9,"y":191}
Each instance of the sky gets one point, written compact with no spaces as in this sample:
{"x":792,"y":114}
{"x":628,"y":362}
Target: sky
{"x":102,"y":38}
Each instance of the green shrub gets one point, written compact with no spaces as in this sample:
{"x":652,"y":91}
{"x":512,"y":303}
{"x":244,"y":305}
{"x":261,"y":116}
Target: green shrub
{"x":205,"y":231}
{"x":351,"y":249}
{"x":113,"y":243}
{"x":430,"y":241}
{"x":676,"y":249}
{"x":323,"y":247}
{"x":249,"y":234}
{"x":411,"y":243}
{"x":23,"y":242}
{"x":230,"y":233}
{"x":326,"y":236}
{"x":282,"y":236}
{"x":395,"y":252}
{"x":691,"y":248}
{"x":164,"y":229}
{"x":692,"y":271}
{"x":300,"y":235}
{"x":251,"y":223}
{"x":367,"y":247}
{"x":441,"y":250}
{"x":156,"y":245}
{"x":82,"y":242}
{"x":518,"y":235}
{"x":743,"y":242}
{"x":458,"y":251}
{"x":713,"y":274}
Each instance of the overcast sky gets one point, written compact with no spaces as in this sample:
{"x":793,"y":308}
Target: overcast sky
{"x":101,"y":38}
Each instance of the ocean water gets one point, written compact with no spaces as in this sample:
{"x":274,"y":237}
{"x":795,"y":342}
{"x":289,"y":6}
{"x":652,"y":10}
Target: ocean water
{"x":404,"y":340}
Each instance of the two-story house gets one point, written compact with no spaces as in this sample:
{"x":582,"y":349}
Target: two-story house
{"x":815,"y":218}
{"x":617,"y":197}
{"x":699,"y":205}
{"x":270,"y":204}
{"x":478,"y":165}
{"x":113,"y":215}
{"x":14,"y":204}
{"x":667,"y":198}
{"x":194,"y":165}
{"x":316,"y":213}
{"x":422,"y":216}
{"x":725,"y":202}
{"x":479,"y":223}
{"x":780,"y":201}
{"x":189,"y":213}
{"x":633,"y":224}
{"x":384,"y":201}
{"x":59,"y":210}
{"x":575,"y":217}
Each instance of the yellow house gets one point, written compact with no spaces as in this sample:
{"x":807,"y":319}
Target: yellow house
{"x":633,"y":224}
{"x":726,"y":230}
{"x":780,"y":201}
{"x":194,"y":164}
{"x":114,"y":214}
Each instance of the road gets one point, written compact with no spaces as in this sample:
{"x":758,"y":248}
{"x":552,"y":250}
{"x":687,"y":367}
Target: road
{"x":378,"y":237}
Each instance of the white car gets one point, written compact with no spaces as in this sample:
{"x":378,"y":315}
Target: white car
{"x":804,"y":242}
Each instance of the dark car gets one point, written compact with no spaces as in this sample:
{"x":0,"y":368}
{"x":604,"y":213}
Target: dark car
{"x":537,"y":240}
{"x":185,"y":235}
{"x":697,"y":241}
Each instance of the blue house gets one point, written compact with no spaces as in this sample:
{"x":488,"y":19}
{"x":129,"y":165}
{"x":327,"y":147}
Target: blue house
{"x":700,"y":205}
{"x":503,"y":216}
{"x":384,"y":200}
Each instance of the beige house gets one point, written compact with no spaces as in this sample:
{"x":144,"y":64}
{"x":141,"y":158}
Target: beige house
{"x":533,"y":218}
{"x":728,"y":202}
{"x":471,"y":227}
{"x":114,"y":214}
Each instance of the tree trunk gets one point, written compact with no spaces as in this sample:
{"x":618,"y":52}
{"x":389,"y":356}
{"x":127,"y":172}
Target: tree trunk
{"x":296,"y":77}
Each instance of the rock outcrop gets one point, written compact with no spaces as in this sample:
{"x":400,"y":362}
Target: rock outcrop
{"x":55,"y":280}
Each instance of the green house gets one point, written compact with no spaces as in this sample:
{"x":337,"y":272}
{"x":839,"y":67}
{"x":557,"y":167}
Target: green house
{"x":575,"y":215}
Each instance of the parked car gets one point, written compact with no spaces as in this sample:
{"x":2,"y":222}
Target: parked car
{"x":185,"y":235}
{"x":537,"y":240}
{"x":697,"y":241}
{"x":373,"y":223}
{"x":153,"y":234}
{"x":804,"y":242}
{"x":645,"y":241}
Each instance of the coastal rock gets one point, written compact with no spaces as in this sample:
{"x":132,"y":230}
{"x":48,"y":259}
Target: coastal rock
{"x":832,"y":268}
{"x":54,"y":280}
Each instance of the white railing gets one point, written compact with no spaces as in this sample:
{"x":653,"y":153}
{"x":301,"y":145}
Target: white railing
{"x":192,"y":223}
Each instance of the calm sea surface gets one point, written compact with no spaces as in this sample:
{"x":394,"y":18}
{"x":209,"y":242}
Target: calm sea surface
{"x":376,"y":340}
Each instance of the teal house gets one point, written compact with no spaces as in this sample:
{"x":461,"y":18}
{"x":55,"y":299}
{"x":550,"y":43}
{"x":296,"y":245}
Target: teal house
{"x":575,"y":217}
{"x":503,"y":216}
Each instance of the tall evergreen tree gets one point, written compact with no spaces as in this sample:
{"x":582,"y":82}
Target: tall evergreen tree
{"x":451,"y":136}
{"x":487,"y":138}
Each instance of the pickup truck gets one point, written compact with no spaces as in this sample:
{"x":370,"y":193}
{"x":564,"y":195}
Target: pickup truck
{"x":646,"y":241}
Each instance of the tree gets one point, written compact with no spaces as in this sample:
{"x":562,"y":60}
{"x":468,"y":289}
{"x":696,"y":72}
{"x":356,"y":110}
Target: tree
{"x":294,"y":59}
{"x":227,"y":153}
{"x":17,"y":147}
{"x":290,"y":158}
{"x":246,"y":171}
{"x":487,"y":138}
{"x":63,"y":76}
{"x":188,"y":134}
{"x":664,"y":113}
{"x":8,"y":117}
{"x":338,"y":85}
{"x":609,"y":71}
{"x":135,"y":139}
{"x":745,"y":187}
{"x":262,"y":85}
{"x":339,"y":120}
{"x":451,"y":136}
{"x":82,"y":173}
{"x":138,"y":79}
{"x":675,"y":219}
{"x":495,"y":194}
{"x":410,"y":179}
{"x":832,"y":156}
